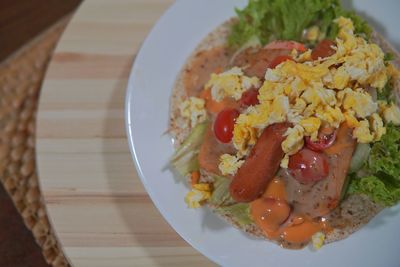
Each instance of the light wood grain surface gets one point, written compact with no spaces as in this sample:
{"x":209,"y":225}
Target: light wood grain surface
{"x":96,"y":202}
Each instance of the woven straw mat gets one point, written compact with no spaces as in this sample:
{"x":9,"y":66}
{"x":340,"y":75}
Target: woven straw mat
{"x":21,"y":76}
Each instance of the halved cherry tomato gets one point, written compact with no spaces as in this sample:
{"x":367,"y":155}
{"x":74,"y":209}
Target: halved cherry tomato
{"x":278,"y":60}
{"x":287,"y":45}
{"x":249,"y":98}
{"x":323,"y":49}
{"x":326,"y":138}
{"x":308,"y":166}
{"x":224,"y":124}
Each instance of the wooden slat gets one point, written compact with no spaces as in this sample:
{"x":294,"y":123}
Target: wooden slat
{"x":97,"y":204}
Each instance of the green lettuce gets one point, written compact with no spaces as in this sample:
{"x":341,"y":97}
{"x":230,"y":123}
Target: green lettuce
{"x":185,"y":158}
{"x":382,"y":182}
{"x":239,"y":212}
{"x":221,"y":195}
{"x":287,"y":19}
{"x":386,"y":93}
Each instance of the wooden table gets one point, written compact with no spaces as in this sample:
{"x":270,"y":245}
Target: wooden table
{"x":96,"y":202}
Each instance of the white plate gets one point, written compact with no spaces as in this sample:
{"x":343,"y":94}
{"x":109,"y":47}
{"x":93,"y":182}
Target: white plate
{"x":160,"y":59}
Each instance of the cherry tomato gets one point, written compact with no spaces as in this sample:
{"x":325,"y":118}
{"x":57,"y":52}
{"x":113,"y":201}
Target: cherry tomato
{"x":323,"y":49}
{"x":224,"y":124}
{"x":249,"y":98}
{"x":287,"y":45}
{"x":308,"y":166}
{"x":278,"y":60}
{"x":325,"y":139}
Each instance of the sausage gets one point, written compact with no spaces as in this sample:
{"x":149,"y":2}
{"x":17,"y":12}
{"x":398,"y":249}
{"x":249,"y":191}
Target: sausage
{"x":255,"y":62}
{"x":261,"y":165}
{"x":323,"y":49}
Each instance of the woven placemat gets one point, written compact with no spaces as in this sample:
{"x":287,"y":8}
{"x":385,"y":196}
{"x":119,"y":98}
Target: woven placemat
{"x":21,"y":76}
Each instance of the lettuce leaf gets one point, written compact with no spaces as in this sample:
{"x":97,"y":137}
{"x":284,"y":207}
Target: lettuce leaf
{"x":376,"y":189}
{"x":239,"y":212}
{"x":221,"y":195}
{"x":287,"y":19}
{"x":185,"y":157}
{"x":382,"y":184}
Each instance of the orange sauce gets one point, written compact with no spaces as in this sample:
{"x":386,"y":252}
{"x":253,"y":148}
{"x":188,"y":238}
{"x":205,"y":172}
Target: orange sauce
{"x":271,"y":211}
{"x":276,"y":189}
{"x":301,"y":233}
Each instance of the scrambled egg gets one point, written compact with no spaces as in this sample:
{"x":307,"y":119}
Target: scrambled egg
{"x":311,"y":126}
{"x":324,"y":92}
{"x":318,"y":240}
{"x":199,"y":194}
{"x":230,"y":83}
{"x":229,"y":164}
{"x":193,"y":109}
{"x":391,"y":114}
{"x":312,"y":33}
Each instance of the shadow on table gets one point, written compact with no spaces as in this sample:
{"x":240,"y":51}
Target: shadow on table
{"x":147,"y":228}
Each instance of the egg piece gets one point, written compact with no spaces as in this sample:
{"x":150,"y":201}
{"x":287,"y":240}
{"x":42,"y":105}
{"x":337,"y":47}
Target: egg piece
{"x":229,"y":164}
{"x":297,"y":87}
{"x":345,"y":24}
{"x":350,"y":118}
{"x":312,"y":33}
{"x":279,"y":109}
{"x":359,"y":101}
{"x":379,"y":79}
{"x":294,"y":140}
{"x":391,"y":114}
{"x":294,"y":115}
{"x":269,"y":91}
{"x":243,"y":136}
{"x":376,"y":125}
{"x":340,"y":78}
{"x":285,"y":162}
{"x":303,"y":57}
{"x":249,"y":82}
{"x":193,"y":109}
{"x":199,"y":194}
{"x":318,"y":240}
{"x":311,"y":126}
{"x":332,"y":116}
{"x":272,"y":75}
{"x":362,"y":132}
{"x":319,"y":95}
{"x":307,"y":73}
{"x":230,"y":83}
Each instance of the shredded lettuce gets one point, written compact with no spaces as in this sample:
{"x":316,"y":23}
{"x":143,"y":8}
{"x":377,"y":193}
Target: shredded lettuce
{"x":240,"y":213}
{"x":386,"y":93}
{"x":287,"y":19}
{"x":382,"y":184}
{"x":388,"y":57}
{"x":221,"y":195}
{"x":185,"y":158}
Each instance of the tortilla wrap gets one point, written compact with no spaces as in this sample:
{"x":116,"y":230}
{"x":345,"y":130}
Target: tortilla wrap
{"x":353,"y":212}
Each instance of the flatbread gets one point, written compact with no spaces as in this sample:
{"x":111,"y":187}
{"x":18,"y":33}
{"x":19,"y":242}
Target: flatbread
{"x":353,"y":212}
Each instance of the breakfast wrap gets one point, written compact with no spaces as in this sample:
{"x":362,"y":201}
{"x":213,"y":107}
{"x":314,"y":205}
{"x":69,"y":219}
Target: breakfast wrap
{"x":286,"y":123}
